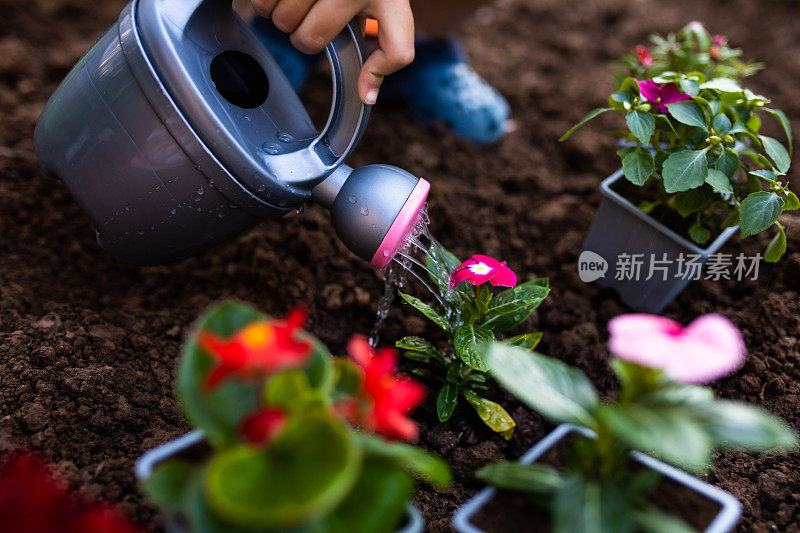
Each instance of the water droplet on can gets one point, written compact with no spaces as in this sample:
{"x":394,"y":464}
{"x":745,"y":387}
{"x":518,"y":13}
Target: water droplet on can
{"x":300,"y":209}
{"x":200,"y":190}
{"x":364,"y":210}
{"x":352,"y":199}
{"x":285,"y":137}
{"x":173,"y":211}
{"x":261,"y":187}
{"x":271,"y":148}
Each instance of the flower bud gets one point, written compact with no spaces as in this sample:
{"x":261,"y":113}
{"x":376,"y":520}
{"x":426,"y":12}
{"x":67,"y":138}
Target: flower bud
{"x":644,"y":107}
{"x":728,"y":138}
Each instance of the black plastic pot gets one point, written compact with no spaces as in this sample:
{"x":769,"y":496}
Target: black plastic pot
{"x":619,"y":227}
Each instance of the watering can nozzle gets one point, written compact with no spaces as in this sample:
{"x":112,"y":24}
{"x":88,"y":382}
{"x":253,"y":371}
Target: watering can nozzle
{"x":373,"y":208}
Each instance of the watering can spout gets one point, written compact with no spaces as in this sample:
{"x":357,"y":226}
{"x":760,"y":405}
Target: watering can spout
{"x":373,"y":208}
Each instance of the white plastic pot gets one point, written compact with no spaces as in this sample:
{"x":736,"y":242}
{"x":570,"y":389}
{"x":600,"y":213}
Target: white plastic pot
{"x":725,"y":521}
{"x":148,"y":462}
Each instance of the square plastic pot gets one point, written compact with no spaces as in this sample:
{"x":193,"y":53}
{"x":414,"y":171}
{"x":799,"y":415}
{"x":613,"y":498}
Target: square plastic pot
{"x":725,"y":521}
{"x":619,"y":227}
{"x":148,"y":462}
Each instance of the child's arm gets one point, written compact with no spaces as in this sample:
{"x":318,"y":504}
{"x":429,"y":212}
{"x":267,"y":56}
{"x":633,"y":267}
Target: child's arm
{"x":314,"y":23}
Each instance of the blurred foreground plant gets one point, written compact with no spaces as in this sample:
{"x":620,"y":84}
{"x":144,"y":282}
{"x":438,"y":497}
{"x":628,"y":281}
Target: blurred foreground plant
{"x":659,"y":410}
{"x":293,"y":431}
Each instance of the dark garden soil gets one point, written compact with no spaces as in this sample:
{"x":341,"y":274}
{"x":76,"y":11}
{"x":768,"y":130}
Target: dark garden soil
{"x":88,"y":345}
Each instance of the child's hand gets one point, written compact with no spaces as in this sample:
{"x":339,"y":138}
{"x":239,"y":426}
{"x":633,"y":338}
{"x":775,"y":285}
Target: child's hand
{"x":314,"y":24}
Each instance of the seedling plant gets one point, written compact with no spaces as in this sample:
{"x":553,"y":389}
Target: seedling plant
{"x":471,"y":314}
{"x":694,"y":139}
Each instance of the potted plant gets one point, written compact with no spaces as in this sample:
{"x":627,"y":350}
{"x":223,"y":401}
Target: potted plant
{"x":470,"y":314}
{"x":603,"y":482}
{"x":695,"y":166}
{"x":288,"y":437}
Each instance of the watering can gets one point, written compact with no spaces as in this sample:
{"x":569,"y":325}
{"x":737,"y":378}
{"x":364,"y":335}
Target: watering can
{"x":177,"y":131}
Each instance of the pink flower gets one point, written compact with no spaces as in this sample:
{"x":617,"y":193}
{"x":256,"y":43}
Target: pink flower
{"x":643,"y":56}
{"x":479,"y":269}
{"x":707,"y":349}
{"x":661,"y":95}
{"x":719,"y":40}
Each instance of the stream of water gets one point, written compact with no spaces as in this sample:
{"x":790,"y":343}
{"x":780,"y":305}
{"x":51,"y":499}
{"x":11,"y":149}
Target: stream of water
{"x":420,"y":256}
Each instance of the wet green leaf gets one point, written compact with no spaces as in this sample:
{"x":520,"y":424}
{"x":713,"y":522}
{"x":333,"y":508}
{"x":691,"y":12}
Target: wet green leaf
{"x":537,"y":479}
{"x":467,"y":340}
{"x":492,"y":414}
{"x":426,"y":310}
{"x":529,"y":341}
{"x":446,"y":401}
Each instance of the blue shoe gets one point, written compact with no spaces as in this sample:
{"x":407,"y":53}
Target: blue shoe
{"x":294,"y":63}
{"x":440,"y":85}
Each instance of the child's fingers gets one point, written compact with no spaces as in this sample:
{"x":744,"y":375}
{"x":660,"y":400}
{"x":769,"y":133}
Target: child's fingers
{"x":395,"y":46}
{"x":288,"y":14}
{"x":323,"y":23}
{"x":264,"y":7}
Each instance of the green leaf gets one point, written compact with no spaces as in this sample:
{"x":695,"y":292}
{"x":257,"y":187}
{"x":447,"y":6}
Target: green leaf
{"x":685,"y":170}
{"x":653,"y":520}
{"x":199,"y":517}
{"x":219,"y":411}
{"x":618,"y":99}
{"x":493,"y":414}
{"x":166,"y":487}
{"x":776,"y":247}
{"x":699,"y":233}
{"x":286,"y":388}
{"x":416,"y":461}
{"x":641,"y":124}
{"x":536,"y":479}
{"x":721,"y":124}
{"x":784,"y":121}
{"x":725,"y":85}
{"x":440,"y":263}
{"x":308,"y":470}
{"x":349,"y":379}
{"x":693,"y":200}
{"x":514,"y":305}
{"x":738,"y":425}
{"x":592,"y":114}
{"x":638,"y":166}
{"x":446,"y":401}
{"x":558,"y":391}
{"x":719,"y":181}
{"x":376,"y":503}
{"x":776,"y":151}
{"x":467,"y":340}
{"x":426,"y":310}
{"x":529,"y":341}
{"x":792,"y":202}
{"x":688,"y":113}
{"x":670,"y":432}
{"x":728,"y":162}
{"x":420,"y":345}
{"x":690,"y":87}
{"x":582,"y":505}
{"x":759,"y":211}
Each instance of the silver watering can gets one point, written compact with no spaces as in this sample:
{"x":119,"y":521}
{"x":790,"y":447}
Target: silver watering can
{"x":177,"y":131}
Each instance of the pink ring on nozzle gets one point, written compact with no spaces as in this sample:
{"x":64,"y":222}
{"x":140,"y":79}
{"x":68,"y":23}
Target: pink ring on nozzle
{"x":402,"y":224}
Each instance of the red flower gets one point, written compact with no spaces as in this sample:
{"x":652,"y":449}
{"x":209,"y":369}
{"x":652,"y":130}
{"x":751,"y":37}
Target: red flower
{"x":390,"y":397}
{"x":33,"y":501}
{"x":262,"y":426}
{"x":479,"y":269}
{"x":643,"y":56}
{"x":258,"y":348}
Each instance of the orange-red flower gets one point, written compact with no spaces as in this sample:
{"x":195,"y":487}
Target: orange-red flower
{"x":32,"y":500}
{"x":643,"y":55}
{"x":259,"y":348}
{"x":390,"y":397}
{"x":262,"y":426}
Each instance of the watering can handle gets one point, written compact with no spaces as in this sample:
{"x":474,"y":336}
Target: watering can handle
{"x":348,"y":116}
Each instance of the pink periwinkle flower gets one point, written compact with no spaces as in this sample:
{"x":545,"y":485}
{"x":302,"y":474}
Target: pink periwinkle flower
{"x":479,"y":269}
{"x":719,"y":40}
{"x":707,"y":349}
{"x":644,"y":56}
{"x":661,"y":95}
